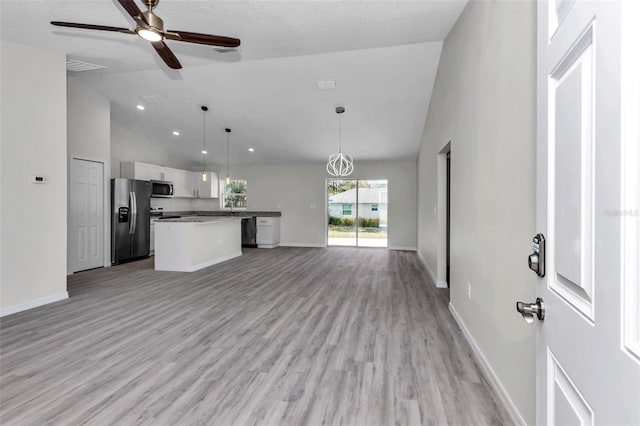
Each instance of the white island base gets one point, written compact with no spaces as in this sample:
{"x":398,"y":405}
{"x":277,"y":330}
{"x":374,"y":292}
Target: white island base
{"x":189,"y":244}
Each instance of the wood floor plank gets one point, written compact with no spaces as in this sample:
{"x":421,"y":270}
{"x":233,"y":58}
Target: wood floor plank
{"x":289,"y":336}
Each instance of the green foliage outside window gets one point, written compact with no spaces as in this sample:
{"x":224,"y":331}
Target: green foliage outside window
{"x":235,"y":195}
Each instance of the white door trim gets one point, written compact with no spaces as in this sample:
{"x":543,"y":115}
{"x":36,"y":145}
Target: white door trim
{"x":441,"y":215}
{"x":630,"y":206}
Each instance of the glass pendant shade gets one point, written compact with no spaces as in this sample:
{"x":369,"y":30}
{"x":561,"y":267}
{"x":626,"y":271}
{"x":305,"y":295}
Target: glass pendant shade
{"x":340,"y":164}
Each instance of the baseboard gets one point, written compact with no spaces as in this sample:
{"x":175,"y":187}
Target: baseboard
{"x":302,"y":245}
{"x":33,"y":303}
{"x":401,"y":248}
{"x":212,"y":262}
{"x":202,"y":265}
{"x":438,"y":284}
{"x":268,"y":246}
{"x":488,"y":372}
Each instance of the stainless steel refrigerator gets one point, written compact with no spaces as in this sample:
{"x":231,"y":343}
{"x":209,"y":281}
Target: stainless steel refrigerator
{"x":130,"y":211}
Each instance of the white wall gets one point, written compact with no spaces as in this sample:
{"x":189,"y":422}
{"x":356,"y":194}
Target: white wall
{"x":129,"y":146}
{"x":33,"y":142}
{"x":88,"y":131}
{"x":299,"y":192}
{"x":484,"y":103}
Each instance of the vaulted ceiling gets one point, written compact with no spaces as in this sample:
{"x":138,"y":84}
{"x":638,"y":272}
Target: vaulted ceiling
{"x":382,"y":55}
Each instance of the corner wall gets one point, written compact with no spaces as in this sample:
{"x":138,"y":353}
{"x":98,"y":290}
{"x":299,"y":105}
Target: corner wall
{"x":33,"y":142}
{"x":88,"y":128}
{"x":484,"y":102}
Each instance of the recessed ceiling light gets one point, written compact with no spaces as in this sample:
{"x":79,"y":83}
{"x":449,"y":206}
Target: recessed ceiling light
{"x":204,"y":152}
{"x":140,"y":107}
{"x":251,"y":149}
{"x":176,"y":133}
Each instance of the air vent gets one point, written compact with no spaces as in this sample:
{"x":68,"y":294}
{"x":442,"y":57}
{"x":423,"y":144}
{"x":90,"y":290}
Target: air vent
{"x":327,"y":84}
{"x":77,"y":66}
{"x":152,"y":99}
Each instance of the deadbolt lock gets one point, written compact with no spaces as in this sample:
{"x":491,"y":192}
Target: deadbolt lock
{"x":531,"y":310}
{"x":536,"y":259}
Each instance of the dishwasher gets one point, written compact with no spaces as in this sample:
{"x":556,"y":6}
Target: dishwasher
{"x":249,"y":232}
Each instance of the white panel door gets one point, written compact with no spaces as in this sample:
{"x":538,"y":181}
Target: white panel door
{"x":87,"y":214}
{"x":585,"y":374}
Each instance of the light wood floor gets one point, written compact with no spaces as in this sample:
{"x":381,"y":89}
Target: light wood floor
{"x":338,"y":336}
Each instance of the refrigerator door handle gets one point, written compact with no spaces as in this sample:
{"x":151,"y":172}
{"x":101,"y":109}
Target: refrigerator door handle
{"x":135,"y":212}
{"x":131,"y":207}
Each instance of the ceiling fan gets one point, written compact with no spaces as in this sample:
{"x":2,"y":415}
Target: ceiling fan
{"x":150,"y":27}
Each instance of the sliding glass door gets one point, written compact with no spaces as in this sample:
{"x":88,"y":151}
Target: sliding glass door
{"x":357,"y":212}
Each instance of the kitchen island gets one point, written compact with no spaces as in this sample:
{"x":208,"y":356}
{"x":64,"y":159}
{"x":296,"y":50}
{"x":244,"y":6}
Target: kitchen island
{"x":187,"y":244}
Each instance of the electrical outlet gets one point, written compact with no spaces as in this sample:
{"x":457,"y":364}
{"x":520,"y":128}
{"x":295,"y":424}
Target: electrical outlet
{"x":469,"y":291}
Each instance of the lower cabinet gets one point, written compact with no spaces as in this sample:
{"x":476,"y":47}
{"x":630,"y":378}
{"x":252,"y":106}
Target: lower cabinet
{"x":268,"y":232}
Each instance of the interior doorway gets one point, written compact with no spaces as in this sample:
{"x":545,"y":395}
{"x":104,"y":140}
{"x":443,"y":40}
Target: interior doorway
{"x":448,"y":218}
{"x":357,"y":212}
{"x":442,"y":275}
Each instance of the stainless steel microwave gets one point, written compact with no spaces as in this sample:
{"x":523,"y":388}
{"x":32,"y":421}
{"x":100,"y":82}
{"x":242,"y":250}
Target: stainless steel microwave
{"x":161,"y":189}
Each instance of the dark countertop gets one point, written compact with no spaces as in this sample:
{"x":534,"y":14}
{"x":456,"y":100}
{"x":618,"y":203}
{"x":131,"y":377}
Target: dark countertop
{"x":224,"y":213}
{"x":200,"y":219}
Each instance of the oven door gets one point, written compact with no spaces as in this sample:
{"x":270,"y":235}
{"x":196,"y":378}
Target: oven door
{"x":161,"y":189}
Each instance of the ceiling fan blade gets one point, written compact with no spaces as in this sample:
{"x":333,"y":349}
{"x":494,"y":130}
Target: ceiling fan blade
{"x":212,"y":40}
{"x":132,"y":9}
{"x":167,"y":55}
{"x":92,"y":27}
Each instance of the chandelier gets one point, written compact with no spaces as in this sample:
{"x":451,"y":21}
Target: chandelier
{"x":340,"y":164}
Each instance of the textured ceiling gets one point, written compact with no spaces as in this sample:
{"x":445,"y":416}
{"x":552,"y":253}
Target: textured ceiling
{"x":383,"y":56}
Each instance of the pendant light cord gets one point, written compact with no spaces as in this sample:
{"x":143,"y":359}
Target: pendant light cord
{"x":204,"y":139}
{"x":340,"y":132}
{"x":227,"y":154}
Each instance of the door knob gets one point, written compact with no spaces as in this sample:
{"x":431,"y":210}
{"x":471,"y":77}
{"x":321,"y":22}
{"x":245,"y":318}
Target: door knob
{"x":529,"y":310}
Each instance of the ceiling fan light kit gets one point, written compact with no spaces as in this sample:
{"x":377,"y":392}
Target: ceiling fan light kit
{"x":149,"y":35}
{"x":150,"y":27}
{"x":340,"y":164}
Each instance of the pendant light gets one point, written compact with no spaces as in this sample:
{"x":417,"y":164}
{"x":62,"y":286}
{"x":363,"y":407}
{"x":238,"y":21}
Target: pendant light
{"x":204,"y":140}
{"x":340,"y":164}
{"x":228,"y":179}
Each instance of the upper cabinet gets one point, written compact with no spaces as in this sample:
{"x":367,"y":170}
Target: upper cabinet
{"x":182,"y":183}
{"x":186,"y":184}
{"x":208,"y":189}
{"x":143,"y":171}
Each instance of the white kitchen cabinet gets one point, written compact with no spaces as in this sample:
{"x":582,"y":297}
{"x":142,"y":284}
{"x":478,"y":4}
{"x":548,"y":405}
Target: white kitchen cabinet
{"x":268,"y":232}
{"x":142,"y":171}
{"x":208,"y":189}
{"x":182,"y":183}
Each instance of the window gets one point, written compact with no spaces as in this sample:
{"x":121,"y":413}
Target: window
{"x":374,"y":207}
{"x":346,"y":210}
{"x":234,"y":195}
